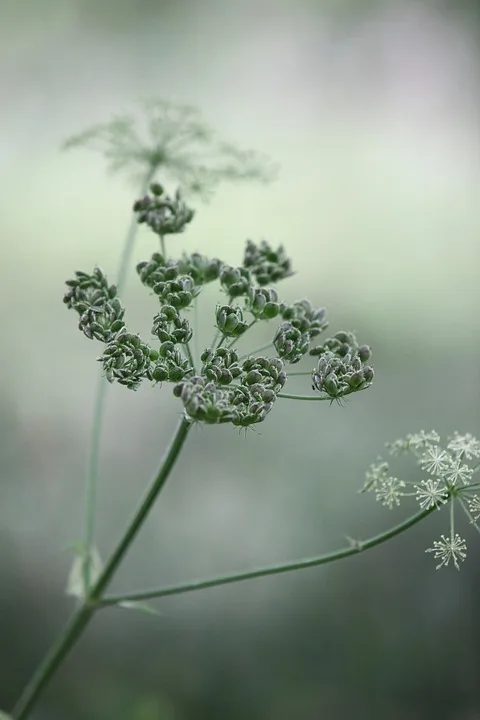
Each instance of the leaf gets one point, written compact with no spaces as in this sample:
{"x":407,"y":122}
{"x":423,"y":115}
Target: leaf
{"x":75,"y":583}
{"x":142,"y":607}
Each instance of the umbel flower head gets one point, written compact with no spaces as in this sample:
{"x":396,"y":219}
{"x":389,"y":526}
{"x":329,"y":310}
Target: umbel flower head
{"x":221,"y":386}
{"x":447,"y":470}
{"x":176,"y":140}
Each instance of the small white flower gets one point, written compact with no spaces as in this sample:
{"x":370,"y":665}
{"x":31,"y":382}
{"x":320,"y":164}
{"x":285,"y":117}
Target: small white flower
{"x":458,"y":473}
{"x":431,"y":493}
{"x":474,"y":507}
{"x":465,"y":446}
{"x":389,"y":492}
{"x":446,"y":549}
{"x":415,"y":442}
{"x":376,"y":473}
{"x":421,"y":439}
{"x":435,"y":460}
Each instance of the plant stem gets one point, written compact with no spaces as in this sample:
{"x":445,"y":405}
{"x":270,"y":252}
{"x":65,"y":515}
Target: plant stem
{"x":302,"y":397}
{"x":51,"y":662}
{"x":91,"y":483}
{"x":82,"y":617}
{"x":190,"y":358}
{"x":143,"y":509}
{"x":353,"y":549}
{"x":257,"y":350}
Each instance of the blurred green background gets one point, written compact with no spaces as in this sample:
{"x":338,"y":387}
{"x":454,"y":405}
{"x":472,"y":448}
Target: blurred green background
{"x":371,"y":109}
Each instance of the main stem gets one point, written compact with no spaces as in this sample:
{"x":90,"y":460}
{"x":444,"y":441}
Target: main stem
{"x":83,"y":615}
{"x":99,"y":404}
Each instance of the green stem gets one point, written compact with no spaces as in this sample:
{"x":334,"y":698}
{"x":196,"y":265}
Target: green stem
{"x":190,"y":359}
{"x":353,"y":549}
{"x":82,"y":617}
{"x":302,"y":397}
{"x":92,"y":479}
{"x":143,"y":509}
{"x":236,"y":339}
{"x":257,"y":350}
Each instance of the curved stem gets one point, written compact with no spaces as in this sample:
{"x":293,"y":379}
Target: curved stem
{"x":354,"y":548}
{"x":83,"y":615}
{"x":91,"y":483}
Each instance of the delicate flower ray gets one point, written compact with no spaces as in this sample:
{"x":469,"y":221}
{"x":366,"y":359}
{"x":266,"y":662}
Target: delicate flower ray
{"x":389,"y":492}
{"x":465,"y":446}
{"x":431,"y":493}
{"x":474,"y":506}
{"x":435,"y":460}
{"x":450,"y":481}
{"x":452,"y":548}
{"x":176,"y":140}
{"x":413,"y":442}
{"x":458,"y":473}
{"x":375,"y":475}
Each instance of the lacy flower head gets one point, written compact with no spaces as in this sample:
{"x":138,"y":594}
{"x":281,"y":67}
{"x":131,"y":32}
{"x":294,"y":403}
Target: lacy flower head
{"x":176,"y":140}
{"x":448,"y":471}
{"x":221,"y":385}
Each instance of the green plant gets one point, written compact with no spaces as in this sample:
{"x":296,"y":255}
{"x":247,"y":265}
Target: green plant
{"x":217,"y":384}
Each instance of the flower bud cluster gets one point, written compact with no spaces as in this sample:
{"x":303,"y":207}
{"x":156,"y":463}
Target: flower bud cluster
{"x":170,"y":365}
{"x":163,"y":214}
{"x":305,"y":317}
{"x":200,"y":268}
{"x":169,"y":326}
{"x":263,"y":303}
{"x":127,"y":360}
{"x":249,"y":402}
{"x":265,"y":263}
{"x":167,"y":283}
{"x":225,"y":389}
{"x":236,"y":281}
{"x":302,"y":323}
{"x":341,"y":367}
{"x":229,"y":320}
{"x":221,"y":365}
{"x":290,"y":343}
{"x":101,"y":312}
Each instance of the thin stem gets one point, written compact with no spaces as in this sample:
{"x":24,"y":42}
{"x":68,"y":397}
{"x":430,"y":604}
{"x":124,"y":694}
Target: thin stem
{"x":91,"y":484}
{"x":143,"y":509}
{"x":196,"y":331}
{"x":51,"y":662}
{"x":257,"y":350}
{"x":236,"y":339}
{"x":126,"y":257}
{"x":84,"y":614}
{"x":302,"y":397}
{"x":189,"y":355}
{"x":163,"y":248}
{"x":353,"y":549}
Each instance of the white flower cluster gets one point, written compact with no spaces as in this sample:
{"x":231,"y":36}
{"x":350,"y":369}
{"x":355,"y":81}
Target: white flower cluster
{"x":449,"y":471}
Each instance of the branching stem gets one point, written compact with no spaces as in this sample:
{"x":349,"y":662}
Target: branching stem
{"x":353,"y":549}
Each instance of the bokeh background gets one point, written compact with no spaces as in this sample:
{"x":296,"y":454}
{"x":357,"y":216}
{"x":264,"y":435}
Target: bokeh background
{"x":371,"y":110}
